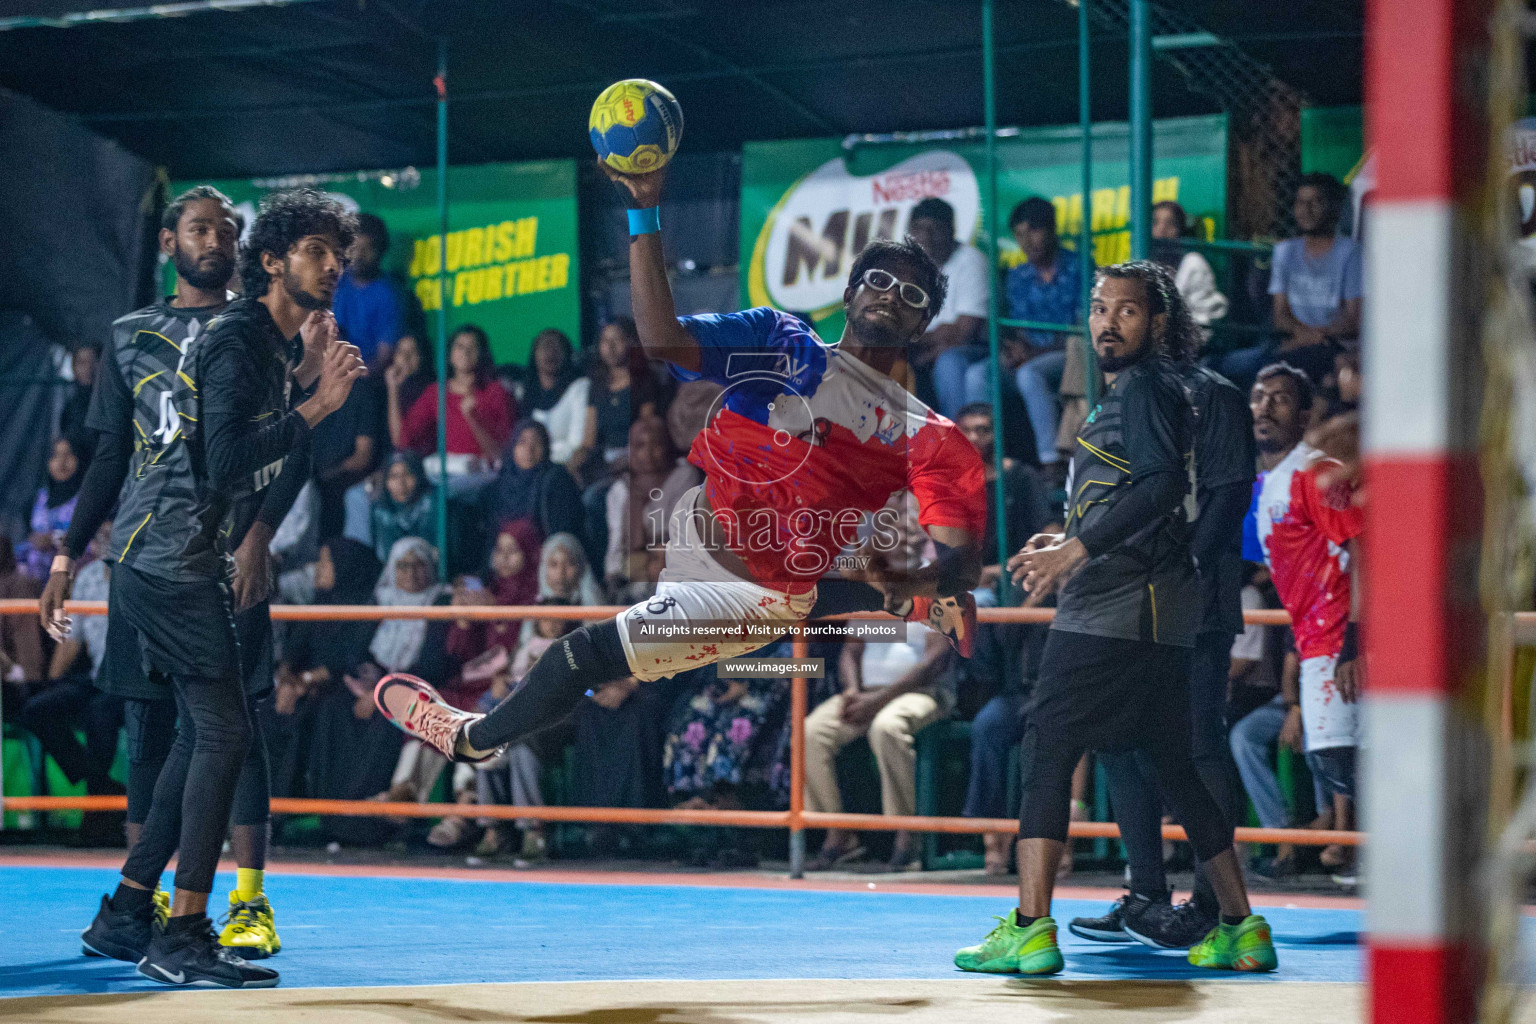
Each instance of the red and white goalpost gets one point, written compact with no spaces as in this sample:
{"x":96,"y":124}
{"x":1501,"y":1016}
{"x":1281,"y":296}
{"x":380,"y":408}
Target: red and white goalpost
{"x":1424,"y":786}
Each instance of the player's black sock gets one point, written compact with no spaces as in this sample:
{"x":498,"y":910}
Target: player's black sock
{"x":1023,"y":920}
{"x":579,"y":661}
{"x":129,"y":898}
{"x":1233,"y":919}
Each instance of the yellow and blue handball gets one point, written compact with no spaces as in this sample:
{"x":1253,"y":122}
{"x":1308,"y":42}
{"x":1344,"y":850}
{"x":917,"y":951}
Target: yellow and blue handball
{"x":635,"y":126}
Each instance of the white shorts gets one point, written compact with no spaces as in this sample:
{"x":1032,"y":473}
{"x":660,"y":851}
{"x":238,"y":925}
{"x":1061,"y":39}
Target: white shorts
{"x":1326,"y":719}
{"x":695,"y":588}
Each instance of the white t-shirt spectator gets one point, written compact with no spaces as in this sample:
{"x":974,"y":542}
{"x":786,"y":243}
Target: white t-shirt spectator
{"x":966,"y":269}
{"x":885,"y":663}
{"x":566,"y":421}
{"x":1316,"y":288}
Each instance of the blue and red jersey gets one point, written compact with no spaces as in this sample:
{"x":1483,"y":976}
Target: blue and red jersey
{"x":805,"y":442}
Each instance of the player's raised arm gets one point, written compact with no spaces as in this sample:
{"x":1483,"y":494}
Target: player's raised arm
{"x":661,"y":335}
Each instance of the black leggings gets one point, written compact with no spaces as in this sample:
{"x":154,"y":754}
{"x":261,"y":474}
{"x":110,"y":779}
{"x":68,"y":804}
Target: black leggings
{"x":1104,"y":693}
{"x":151,"y":733}
{"x":1132,"y":791}
{"x":198,"y":782}
{"x":581,"y":660}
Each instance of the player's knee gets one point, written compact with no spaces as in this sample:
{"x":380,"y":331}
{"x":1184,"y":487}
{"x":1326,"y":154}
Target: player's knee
{"x":595,"y":652}
{"x":889,"y":732}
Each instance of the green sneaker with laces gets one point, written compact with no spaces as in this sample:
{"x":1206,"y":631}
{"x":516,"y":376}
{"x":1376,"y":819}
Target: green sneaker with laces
{"x":1009,"y":949}
{"x":1237,"y":947}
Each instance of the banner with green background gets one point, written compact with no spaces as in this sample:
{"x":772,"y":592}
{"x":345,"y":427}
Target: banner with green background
{"x":807,"y":206}
{"x":512,"y":252}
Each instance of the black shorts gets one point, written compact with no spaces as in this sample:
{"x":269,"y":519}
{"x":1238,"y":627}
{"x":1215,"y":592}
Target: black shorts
{"x":1104,"y":693}
{"x":157,"y":628}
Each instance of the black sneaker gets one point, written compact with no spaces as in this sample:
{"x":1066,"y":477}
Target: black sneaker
{"x":193,"y":957}
{"x":1161,"y":925}
{"x":1109,"y":928}
{"x":119,"y":934}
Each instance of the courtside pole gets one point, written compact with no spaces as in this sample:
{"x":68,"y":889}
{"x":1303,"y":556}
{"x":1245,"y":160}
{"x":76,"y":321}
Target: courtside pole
{"x":1424,"y":792}
{"x":1085,"y":223}
{"x":441,"y":498}
{"x":994,"y":360}
{"x":1141,"y":128}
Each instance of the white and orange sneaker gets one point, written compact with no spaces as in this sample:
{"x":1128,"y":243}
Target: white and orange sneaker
{"x":954,"y":617}
{"x":419,"y":710}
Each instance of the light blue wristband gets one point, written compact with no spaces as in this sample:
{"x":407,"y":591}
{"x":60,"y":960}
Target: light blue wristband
{"x":645,"y":222}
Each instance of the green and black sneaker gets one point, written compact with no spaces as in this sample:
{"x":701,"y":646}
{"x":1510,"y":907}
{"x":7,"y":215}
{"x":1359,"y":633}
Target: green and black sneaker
{"x":1237,"y":947}
{"x":1009,"y":949}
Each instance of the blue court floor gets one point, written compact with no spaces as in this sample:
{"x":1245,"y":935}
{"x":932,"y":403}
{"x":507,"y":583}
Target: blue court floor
{"x":390,"y":931}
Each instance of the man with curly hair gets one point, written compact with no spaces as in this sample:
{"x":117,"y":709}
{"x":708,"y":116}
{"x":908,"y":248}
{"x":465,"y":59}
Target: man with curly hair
{"x":198,"y":418}
{"x":1114,"y":674}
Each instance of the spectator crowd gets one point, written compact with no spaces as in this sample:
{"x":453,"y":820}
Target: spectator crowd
{"x":557,"y":478}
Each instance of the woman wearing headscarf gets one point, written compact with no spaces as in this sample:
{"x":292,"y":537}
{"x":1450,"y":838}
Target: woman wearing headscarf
{"x":55,"y":504}
{"x":403,"y":507}
{"x":555,"y":393}
{"x":530,"y":486}
{"x":410,"y":578}
{"x":512,"y":579}
{"x":564,"y":576}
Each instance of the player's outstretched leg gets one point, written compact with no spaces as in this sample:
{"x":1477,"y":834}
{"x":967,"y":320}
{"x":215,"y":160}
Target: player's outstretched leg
{"x":578,"y":662}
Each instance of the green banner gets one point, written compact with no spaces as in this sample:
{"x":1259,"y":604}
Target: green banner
{"x":512,"y":254}
{"x":808,"y":206}
{"x":1332,"y":140}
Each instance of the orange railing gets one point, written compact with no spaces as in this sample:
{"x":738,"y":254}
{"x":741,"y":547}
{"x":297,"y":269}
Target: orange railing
{"x":796,"y":818}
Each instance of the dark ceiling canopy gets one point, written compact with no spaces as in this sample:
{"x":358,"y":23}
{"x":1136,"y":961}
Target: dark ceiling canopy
{"x":343,"y":84}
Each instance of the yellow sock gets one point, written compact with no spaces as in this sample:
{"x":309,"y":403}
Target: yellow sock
{"x":248,"y":883}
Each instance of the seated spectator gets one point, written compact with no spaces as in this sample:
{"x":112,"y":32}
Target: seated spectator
{"x":1027,"y":510}
{"x":314,"y":659}
{"x":565,"y":576}
{"x":403,"y":507}
{"x":21,"y":636}
{"x":410,"y":578}
{"x":55,"y":504}
{"x":621,"y":391}
{"x":1316,"y":284}
{"x":891,"y":692}
{"x":531,"y":487}
{"x":637,"y":531}
{"x":480,"y":413}
{"x":619,"y":731}
{"x":1192,"y":273}
{"x":1047,"y":288}
{"x":410,"y":370}
{"x":1255,"y":741}
{"x":714,"y":754}
{"x":956,"y":335}
{"x":512,"y":579}
{"x":82,"y":364}
{"x":513,"y":777}
{"x":555,"y":393}
{"x":72,"y":702}
{"x":367,"y":305}
{"x":345,"y":448}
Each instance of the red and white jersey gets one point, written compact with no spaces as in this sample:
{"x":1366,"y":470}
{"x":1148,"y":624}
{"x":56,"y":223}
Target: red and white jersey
{"x":1303,"y":531}
{"x":806,"y":442}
